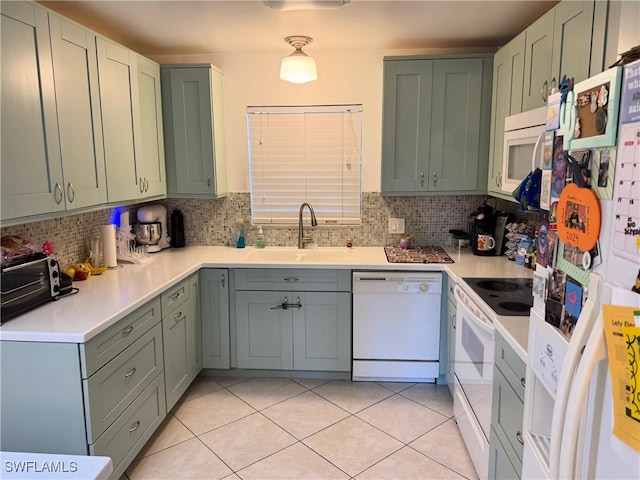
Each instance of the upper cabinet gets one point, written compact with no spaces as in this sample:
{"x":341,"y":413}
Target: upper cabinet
{"x":193,"y":113}
{"x":32,"y":181}
{"x":151,"y":164}
{"x":436,"y":113}
{"x":81,"y":118}
{"x":567,"y":40}
{"x":75,"y":69}
{"x":557,"y":44}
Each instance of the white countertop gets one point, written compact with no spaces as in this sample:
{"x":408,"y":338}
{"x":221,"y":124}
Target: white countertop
{"x":105,"y":299}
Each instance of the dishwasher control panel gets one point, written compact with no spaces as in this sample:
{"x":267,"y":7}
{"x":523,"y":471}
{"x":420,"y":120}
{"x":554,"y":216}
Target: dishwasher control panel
{"x":397,"y":282}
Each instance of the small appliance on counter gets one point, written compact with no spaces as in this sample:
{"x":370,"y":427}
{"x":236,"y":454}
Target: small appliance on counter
{"x":151,"y":229}
{"x":502,"y":219}
{"x":482,"y":226}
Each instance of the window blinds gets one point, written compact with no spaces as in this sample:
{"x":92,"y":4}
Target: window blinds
{"x":305,"y":154}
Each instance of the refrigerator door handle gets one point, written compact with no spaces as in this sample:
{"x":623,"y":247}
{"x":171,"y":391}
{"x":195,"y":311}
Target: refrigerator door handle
{"x":594,"y":352}
{"x":563,"y":407}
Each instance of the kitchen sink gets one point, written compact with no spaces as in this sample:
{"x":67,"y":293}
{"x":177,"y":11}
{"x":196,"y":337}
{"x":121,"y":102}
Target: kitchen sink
{"x":296,"y":255}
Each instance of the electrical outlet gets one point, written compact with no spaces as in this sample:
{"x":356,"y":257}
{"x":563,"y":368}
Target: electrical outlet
{"x":396,"y":225}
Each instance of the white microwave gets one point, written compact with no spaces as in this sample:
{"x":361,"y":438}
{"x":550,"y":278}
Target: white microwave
{"x":523,"y":137}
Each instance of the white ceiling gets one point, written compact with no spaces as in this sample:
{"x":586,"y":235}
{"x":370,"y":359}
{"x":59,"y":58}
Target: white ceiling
{"x":194,"y":27}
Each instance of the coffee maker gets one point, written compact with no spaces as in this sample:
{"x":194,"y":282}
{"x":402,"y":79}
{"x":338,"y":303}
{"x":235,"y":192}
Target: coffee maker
{"x":482,"y":225}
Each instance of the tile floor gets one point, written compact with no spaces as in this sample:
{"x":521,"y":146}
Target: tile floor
{"x":277,"y":428}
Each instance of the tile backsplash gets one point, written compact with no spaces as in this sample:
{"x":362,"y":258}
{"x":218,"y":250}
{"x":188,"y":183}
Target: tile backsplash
{"x":213,"y":222}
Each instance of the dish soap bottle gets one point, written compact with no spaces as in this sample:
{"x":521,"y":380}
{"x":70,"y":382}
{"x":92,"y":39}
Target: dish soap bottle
{"x":260,"y":242}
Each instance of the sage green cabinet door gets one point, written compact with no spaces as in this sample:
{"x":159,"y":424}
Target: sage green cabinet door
{"x":264,"y":331}
{"x":500,"y":467}
{"x":538,"y":54}
{"x":152,"y":164}
{"x":176,"y":340}
{"x":117,"y":67}
{"x":214,"y":284}
{"x":455,"y":125}
{"x":182,"y":343}
{"x":31,"y":167}
{"x":75,"y":69}
{"x":406,"y":125}
{"x":572,"y":40}
{"x":516,"y":58}
{"x":322,"y":331}
{"x":451,"y":317}
{"x":499,"y":106}
{"x":195,"y":327}
{"x":194,"y":130}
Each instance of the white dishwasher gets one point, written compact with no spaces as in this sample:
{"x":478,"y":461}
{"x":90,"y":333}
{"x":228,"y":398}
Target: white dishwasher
{"x":396,"y":326}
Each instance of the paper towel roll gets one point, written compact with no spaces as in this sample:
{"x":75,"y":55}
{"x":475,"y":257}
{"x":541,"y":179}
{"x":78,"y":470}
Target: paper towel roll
{"x":109,"y":245}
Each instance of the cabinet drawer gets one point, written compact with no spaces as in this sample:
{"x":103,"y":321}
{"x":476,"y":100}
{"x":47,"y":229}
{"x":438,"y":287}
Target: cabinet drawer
{"x":112,"y":388}
{"x":109,"y":343}
{"x":511,"y":365}
{"x":506,"y":417}
{"x":296,"y":280}
{"x":125,"y":438}
{"x":175,"y":296}
{"x":500,"y":466}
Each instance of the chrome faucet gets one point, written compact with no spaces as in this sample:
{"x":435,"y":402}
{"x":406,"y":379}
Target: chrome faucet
{"x":302,"y":240}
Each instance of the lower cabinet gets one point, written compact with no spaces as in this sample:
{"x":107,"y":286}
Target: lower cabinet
{"x":214,"y":288}
{"x":181,"y":338}
{"x":109,"y":394}
{"x":296,"y":329}
{"x":451,"y":330}
{"x":506,"y":440}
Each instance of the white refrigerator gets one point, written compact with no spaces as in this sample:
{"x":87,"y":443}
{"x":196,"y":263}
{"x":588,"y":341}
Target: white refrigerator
{"x":568,"y":412}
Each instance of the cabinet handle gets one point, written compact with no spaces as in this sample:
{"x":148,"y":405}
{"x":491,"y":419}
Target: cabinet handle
{"x":422,"y":179}
{"x":544,"y":91}
{"x":57,"y":189}
{"x":71,"y":193}
{"x":146,"y":184}
{"x":130,"y":372}
{"x":175,"y":296}
{"x":453,"y":321}
{"x":291,"y":279}
{"x":141,"y":185}
{"x":208,"y":182}
{"x":519,"y":437}
{"x":523,"y":382}
{"x":499,"y":179}
{"x":127,"y":330}
{"x":177,"y":315}
{"x":435,"y":179}
{"x":134,"y":427}
{"x":222,"y":280}
{"x":553,"y":84}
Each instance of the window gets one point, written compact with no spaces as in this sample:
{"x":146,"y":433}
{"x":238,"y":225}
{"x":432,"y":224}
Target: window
{"x":305,"y":154}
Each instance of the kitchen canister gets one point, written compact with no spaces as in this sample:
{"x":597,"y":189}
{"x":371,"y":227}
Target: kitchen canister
{"x":109,"y":245}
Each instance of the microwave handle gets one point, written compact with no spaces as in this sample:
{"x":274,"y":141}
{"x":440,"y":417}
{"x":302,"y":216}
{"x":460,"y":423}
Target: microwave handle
{"x":537,"y":151}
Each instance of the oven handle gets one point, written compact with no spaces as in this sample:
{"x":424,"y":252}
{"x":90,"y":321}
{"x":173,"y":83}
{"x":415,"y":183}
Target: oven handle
{"x":478,"y":318}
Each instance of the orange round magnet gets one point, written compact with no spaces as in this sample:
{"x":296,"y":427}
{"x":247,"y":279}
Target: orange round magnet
{"x":579,"y":217}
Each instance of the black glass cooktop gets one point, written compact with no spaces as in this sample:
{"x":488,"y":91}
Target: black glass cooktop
{"x":506,"y":296}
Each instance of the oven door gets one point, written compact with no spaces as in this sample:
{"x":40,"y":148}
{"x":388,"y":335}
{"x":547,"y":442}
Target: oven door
{"x":474,"y":357}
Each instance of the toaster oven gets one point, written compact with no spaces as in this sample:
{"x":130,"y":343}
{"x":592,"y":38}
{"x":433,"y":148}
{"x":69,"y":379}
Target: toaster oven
{"x":28,"y":283}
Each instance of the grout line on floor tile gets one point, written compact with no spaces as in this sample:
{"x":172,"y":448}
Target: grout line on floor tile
{"x":440,"y":463}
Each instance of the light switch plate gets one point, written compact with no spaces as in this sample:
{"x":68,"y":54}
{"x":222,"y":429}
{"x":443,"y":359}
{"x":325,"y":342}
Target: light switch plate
{"x":396,"y":225}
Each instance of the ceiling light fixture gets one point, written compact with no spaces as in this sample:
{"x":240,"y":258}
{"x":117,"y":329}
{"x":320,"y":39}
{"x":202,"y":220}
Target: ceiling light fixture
{"x":298,"y":67}
{"x":292,"y":5}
